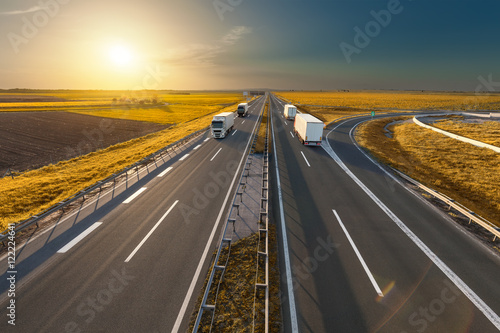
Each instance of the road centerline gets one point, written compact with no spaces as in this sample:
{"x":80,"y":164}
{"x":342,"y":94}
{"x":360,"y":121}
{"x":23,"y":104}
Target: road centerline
{"x":234,"y":132}
{"x":304,"y":156}
{"x":77,"y":239}
{"x":293,"y":136}
{"x":218,"y":151}
{"x":135,"y":195}
{"x":360,"y":257}
{"x":198,"y":146}
{"x":151,"y":232}
{"x":164,"y":172}
{"x":183,"y":157}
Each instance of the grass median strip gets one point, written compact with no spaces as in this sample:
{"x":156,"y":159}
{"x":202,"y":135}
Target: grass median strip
{"x":235,"y":301}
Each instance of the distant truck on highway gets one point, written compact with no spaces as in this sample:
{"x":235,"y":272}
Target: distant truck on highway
{"x":290,"y":111}
{"x":242,"y":109}
{"x":222,"y":124}
{"x":308,"y":129}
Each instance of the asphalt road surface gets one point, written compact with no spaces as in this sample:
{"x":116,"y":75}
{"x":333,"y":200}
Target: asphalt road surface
{"x":135,"y":263}
{"x":365,"y":254}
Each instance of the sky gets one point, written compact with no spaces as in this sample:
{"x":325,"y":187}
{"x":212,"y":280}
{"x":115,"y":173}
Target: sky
{"x":245,"y":44}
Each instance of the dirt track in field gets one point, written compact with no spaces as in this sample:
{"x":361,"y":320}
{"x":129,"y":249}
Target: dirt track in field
{"x":29,"y":140}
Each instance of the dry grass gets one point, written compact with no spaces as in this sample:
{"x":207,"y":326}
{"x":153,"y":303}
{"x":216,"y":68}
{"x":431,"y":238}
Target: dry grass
{"x":261,"y":134}
{"x":369,"y":100}
{"x":171,"y":114}
{"x":468,"y":174}
{"x":37,"y":190}
{"x":330,"y":114}
{"x":234,"y":310}
{"x":487,"y":132}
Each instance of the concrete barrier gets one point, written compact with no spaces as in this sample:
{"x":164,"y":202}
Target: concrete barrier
{"x":457,"y":137}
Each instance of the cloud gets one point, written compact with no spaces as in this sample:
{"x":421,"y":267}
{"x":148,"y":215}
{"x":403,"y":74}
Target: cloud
{"x":236,"y":34}
{"x":19,"y":12}
{"x":203,"y":55}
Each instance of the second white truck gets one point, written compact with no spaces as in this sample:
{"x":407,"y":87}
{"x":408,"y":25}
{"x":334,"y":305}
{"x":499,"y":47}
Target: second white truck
{"x":308,"y":129}
{"x":222,"y":124}
{"x":242,"y":109}
{"x":290,"y":111}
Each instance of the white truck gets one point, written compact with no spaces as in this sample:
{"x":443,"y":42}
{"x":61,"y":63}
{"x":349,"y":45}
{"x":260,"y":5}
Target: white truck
{"x":308,"y":129}
{"x":242,"y":109}
{"x":222,"y":124}
{"x":290,"y":111}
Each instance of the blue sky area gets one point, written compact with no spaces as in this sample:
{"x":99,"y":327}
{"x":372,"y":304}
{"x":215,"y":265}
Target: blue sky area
{"x":238,"y":44}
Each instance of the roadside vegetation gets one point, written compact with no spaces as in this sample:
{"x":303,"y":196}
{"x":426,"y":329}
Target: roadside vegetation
{"x":468,"y":174}
{"x":36,"y":190}
{"x":261,"y":134}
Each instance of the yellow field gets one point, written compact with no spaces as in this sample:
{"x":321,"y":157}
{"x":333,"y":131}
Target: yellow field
{"x":468,"y":174}
{"x":100,"y":103}
{"x":34,"y":191}
{"x":329,"y":114}
{"x":369,"y":100}
{"x":171,"y":114}
{"x":487,"y":132}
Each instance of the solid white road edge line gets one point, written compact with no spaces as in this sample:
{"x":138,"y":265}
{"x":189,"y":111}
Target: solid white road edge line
{"x":164,"y":172}
{"x":218,"y":151}
{"x":360,"y":257}
{"x":183,"y":157}
{"x":75,"y":241}
{"x":304,"y":156}
{"x":135,"y":195}
{"x":197,"y":273}
{"x":288,"y":269}
{"x":151,"y":231}
{"x":471,"y":295}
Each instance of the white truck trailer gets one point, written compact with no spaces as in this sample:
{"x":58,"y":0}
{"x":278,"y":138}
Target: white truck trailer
{"x":222,"y":124}
{"x":308,"y":129}
{"x":242,"y":109}
{"x":290,"y":111}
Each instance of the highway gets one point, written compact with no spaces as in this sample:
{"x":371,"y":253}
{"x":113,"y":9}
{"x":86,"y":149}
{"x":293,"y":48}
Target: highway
{"x":366,"y":254}
{"x":134,"y":262}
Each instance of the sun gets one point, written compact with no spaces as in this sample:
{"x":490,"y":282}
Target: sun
{"x":120,"y":55}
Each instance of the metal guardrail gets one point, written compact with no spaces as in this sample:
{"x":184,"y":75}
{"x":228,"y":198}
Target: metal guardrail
{"x":263,"y":234}
{"x":98,"y":186}
{"x":452,"y":203}
{"x":224,"y":242}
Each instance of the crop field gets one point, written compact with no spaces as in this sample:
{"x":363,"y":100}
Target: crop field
{"x":468,"y":174}
{"x":50,"y":98}
{"x":164,"y":114}
{"x":487,"y":132}
{"x":126,"y":141}
{"x":30,"y":140}
{"x":330,"y":105}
